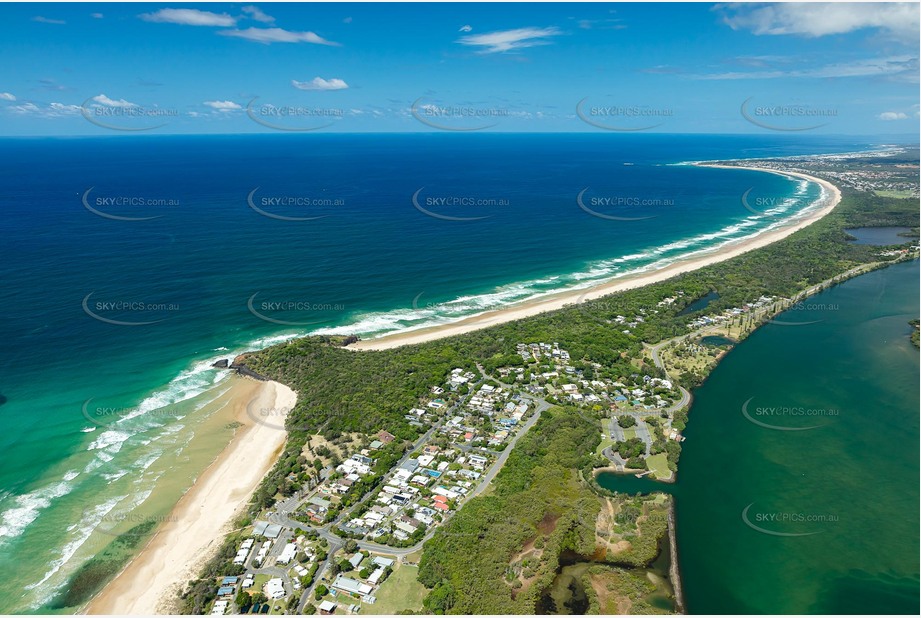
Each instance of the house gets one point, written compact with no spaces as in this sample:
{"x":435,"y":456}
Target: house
{"x":225,"y":591}
{"x":386,"y":437}
{"x":401,"y":525}
{"x":287,"y":554}
{"x":230,"y":580}
{"x":327,"y":607}
{"x":376,"y":576}
{"x":376,"y":444}
{"x":382,"y":562}
{"x":264,"y":528}
{"x":410,"y":465}
{"x":319,"y":502}
{"x":441,"y":506}
{"x":350,"y":586}
{"x":415,"y":523}
{"x":274,"y":588}
{"x":356,"y":560}
{"x":219,"y":608}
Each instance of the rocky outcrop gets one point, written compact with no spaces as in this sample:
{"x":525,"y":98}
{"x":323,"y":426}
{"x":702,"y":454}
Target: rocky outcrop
{"x":239,"y":365}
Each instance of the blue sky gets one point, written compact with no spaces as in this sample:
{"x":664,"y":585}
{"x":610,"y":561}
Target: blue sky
{"x":98,"y":69}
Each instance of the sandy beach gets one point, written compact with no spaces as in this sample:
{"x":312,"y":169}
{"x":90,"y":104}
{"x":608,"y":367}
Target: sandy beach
{"x":202,"y":517}
{"x":516,"y":312}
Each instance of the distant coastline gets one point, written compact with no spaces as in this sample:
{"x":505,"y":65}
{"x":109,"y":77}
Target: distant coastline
{"x":825,"y":204}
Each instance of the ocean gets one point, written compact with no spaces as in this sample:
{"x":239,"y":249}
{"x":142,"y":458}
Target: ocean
{"x":131,"y":264}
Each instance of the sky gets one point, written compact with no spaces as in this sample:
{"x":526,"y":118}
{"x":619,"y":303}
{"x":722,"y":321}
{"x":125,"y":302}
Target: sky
{"x":113,"y":68}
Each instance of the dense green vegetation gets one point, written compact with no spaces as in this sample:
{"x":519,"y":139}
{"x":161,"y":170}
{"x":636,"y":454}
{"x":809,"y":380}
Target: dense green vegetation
{"x":538,"y":500}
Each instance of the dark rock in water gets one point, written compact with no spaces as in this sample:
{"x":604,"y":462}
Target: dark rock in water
{"x":3,"y":399}
{"x":222,"y":364}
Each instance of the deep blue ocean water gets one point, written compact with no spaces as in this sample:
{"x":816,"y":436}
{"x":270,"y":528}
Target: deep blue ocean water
{"x":202,"y":247}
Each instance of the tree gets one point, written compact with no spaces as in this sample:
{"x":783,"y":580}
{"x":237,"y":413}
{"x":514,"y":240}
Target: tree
{"x":320,"y":591}
{"x":243,"y":600}
{"x":364,"y":573}
{"x":259,"y":598}
{"x":626,"y":421}
{"x":344,"y":566}
{"x":440,"y":598}
{"x":351,"y":545}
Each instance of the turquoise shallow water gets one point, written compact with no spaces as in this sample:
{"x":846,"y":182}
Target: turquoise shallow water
{"x":207,"y":275}
{"x":820,"y":520}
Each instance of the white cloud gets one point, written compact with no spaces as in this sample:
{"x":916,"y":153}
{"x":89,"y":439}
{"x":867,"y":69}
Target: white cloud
{"x":467,"y":28}
{"x":256,"y":13}
{"x":97,"y":15}
{"x":104,"y":100}
{"x":508,"y":40}
{"x":816,"y":19}
{"x":25,"y":108}
{"x":347,"y":20}
{"x":892,"y":116}
{"x":190,"y":17}
{"x":7,"y":96}
{"x":892,"y":67}
{"x":53,"y":110}
{"x":63,"y":109}
{"x":46,"y":20}
{"x":223,"y":106}
{"x":277,"y":35}
{"x":318,"y":83}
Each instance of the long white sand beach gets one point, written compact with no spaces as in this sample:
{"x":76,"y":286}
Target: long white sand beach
{"x":199,"y":521}
{"x":832,"y":197}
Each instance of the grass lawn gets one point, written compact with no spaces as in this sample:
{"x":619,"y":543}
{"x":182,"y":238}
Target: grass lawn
{"x":606,"y":441}
{"x":414,"y":557}
{"x":629,"y":432}
{"x":887,"y":193}
{"x":400,"y":591}
{"x":659,"y":466}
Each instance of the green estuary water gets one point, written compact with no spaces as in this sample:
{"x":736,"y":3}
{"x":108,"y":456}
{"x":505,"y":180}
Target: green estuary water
{"x":798,"y":488}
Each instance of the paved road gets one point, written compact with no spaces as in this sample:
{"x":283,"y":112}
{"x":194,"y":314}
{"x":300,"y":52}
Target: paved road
{"x":654,"y":351}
